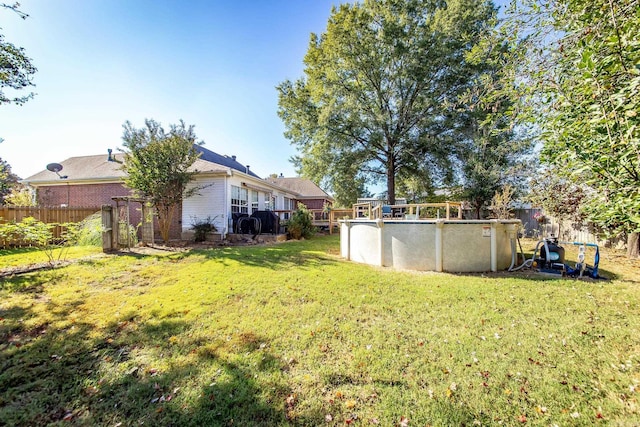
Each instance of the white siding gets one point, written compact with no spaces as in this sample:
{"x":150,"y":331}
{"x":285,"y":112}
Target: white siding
{"x":210,"y":202}
{"x":215,"y":200}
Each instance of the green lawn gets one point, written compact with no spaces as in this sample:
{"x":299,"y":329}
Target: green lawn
{"x":290,"y":334}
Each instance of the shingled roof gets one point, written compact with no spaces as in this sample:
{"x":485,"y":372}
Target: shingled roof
{"x":228,"y":161}
{"x":81,"y":168}
{"x":103,"y":167}
{"x":301,"y":186}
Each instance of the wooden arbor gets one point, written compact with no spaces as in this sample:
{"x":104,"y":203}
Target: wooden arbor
{"x":117,"y":230}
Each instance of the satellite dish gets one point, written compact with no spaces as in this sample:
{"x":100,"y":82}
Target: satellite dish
{"x":54,"y":167}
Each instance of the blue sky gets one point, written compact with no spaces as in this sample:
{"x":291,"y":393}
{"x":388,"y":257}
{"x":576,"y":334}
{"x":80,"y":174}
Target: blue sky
{"x":214,"y":64}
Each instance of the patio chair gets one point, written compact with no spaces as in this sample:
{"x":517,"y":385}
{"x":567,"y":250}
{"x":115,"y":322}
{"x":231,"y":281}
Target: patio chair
{"x":386,"y":211}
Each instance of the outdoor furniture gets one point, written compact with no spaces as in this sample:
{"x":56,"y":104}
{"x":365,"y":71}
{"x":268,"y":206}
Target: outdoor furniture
{"x":386,"y":211}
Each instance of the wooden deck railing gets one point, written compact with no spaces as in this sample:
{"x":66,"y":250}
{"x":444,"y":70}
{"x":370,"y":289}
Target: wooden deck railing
{"x":321,"y":217}
{"x":329,"y":218}
{"x":407,"y":211}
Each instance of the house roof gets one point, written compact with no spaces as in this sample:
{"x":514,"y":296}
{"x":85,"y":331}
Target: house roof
{"x":301,"y":186}
{"x":100,"y":168}
{"x":84,"y":168}
{"x":228,"y":161}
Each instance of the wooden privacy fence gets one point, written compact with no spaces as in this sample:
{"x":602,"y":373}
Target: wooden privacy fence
{"x":48,"y":215}
{"x":45,"y":214}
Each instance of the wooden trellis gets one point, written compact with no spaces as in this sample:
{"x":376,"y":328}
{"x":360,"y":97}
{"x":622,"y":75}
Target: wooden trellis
{"x":116,"y":224}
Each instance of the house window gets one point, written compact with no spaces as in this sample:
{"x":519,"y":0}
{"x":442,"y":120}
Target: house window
{"x":254,"y":201}
{"x":289,"y":204}
{"x":239,"y":200}
{"x":269,"y":202}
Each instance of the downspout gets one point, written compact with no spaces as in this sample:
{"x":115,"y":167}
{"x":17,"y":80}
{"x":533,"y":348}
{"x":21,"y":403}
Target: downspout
{"x":225,"y":220}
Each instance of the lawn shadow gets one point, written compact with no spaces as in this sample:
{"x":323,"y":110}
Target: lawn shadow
{"x":537,"y":276}
{"x":274,"y":257}
{"x":71,"y":371}
{"x":28,"y":283}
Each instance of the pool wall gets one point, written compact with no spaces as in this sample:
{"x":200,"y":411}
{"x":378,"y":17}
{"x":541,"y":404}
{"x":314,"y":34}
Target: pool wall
{"x":429,"y":245}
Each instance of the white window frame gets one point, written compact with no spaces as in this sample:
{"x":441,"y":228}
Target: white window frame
{"x":239,"y":200}
{"x":255,"y":205}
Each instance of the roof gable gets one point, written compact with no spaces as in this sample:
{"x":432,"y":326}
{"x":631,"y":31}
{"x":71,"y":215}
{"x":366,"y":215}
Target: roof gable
{"x":302,"y":186}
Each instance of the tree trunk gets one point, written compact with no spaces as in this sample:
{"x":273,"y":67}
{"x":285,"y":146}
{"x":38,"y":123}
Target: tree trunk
{"x":633,"y":245}
{"x":165,"y":216}
{"x":478,"y":206}
{"x":391,"y":181}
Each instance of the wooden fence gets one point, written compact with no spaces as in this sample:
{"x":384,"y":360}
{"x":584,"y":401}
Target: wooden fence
{"x":45,"y":214}
{"x":48,"y":215}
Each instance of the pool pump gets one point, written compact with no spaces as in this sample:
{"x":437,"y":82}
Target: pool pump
{"x":551,"y":259}
{"x":548,"y":257}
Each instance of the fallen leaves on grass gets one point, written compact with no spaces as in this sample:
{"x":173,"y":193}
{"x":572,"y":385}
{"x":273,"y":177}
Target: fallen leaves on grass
{"x":541,"y":409}
{"x":291,"y":400}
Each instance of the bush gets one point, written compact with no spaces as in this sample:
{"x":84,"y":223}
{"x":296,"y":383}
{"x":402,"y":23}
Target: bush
{"x":89,"y":231}
{"x":35,"y":233}
{"x":301,"y":224}
{"x":201,"y":227}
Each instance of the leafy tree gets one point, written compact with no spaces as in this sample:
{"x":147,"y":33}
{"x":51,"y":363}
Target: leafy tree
{"x":493,"y":146}
{"x":8,"y":180}
{"x":158,"y":166}
{"x":19,"y":196}
{"x":377,"y":89}
{"x":339,"y":174}
{"x":586,"y":85}
{"x":561,"y":198}
{"x":16,"y":69}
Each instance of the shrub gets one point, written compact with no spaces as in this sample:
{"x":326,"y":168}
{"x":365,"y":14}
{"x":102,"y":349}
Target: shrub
{"x":89,"y":231}
{"x":501,"y":203}
{"x":301,"y":223}
{"x":33,"y":232}
{"x":201,"y":227}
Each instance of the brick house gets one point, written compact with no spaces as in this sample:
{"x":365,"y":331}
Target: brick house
{"x":227,"y":188}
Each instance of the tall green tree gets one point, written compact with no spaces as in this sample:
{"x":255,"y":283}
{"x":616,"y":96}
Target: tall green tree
{"x":378,"y":86}
{"x":586,"y":84}
{"x":158,"y":164}
{"x":16,"y":69}
{"x":493,"y":149}
{"x":8,"y":180}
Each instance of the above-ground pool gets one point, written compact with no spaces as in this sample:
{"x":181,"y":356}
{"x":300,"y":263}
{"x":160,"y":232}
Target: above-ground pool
{"x":429,"y":245}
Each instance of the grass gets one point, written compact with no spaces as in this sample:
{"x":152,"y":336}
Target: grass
{"x":291,"y":335}
{"x":17,"y":257}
